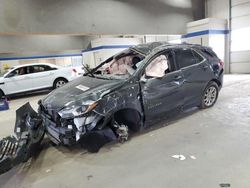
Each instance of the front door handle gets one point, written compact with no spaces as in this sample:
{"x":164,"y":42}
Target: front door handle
{"x":176,"y":78}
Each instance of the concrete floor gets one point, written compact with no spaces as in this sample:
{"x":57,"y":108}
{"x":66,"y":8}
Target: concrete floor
{"x":219,"y":139}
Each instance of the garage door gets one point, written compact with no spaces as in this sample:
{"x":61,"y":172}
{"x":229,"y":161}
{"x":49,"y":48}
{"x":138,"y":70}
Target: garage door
{"x":240,"y":46}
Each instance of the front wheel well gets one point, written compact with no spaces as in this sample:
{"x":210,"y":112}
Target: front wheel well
{"x":60,"y":78}
{"x":130,"y":117}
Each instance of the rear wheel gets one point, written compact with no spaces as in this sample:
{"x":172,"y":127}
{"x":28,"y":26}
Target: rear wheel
{"x":210,"y":95}
{"x":59,"y":82}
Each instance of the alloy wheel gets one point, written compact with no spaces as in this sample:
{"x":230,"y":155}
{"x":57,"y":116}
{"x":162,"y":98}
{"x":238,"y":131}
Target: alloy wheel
{"x":60,"y":83}
{"x":210,"y":96}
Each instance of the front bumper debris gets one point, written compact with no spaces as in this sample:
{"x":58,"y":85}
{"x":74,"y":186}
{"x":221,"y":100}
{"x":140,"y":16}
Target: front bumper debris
{"x":29,"y":132}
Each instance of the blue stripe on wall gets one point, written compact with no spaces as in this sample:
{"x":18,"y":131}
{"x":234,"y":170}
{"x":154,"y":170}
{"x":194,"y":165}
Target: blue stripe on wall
{"x":38,"y":57}
{"x":206,"y":32}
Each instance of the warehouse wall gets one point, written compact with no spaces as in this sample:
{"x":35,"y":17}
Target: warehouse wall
{"x":42,"y":43}
{"x":217,"y":9}
{"x":98,"y":16}
{"x":240,"y":46}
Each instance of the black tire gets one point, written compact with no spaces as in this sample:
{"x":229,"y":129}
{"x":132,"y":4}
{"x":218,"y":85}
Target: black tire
{"x":1,"y":94}
{"x":59,"y":82}
{"x":210,"y":95}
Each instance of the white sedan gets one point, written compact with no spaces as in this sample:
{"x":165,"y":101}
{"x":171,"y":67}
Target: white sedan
{"x":32,"y":77}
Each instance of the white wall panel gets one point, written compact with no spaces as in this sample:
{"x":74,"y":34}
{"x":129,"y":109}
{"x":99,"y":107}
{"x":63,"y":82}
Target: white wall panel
{"x":237,"y":2}
{"x":240,"y":54}
{"x":240,"y":67}
{"x":241,"y":22}
{"x":241,"y":10}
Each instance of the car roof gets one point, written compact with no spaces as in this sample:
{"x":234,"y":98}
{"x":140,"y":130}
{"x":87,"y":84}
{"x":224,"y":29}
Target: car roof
{"x":147,"y":48}
{"x":32,"y":64}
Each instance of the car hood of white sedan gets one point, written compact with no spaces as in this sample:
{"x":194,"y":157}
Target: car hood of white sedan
{"x":1,"y":79}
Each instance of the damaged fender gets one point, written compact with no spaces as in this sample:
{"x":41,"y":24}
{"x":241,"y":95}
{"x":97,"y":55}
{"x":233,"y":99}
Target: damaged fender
{"x":25,"y":143}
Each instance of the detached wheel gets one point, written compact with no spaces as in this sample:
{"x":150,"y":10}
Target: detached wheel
{"x":59,"y":82}
{"x":210,"y":95}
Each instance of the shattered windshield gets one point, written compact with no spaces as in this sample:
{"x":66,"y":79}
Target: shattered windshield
{"x":120,"y":66}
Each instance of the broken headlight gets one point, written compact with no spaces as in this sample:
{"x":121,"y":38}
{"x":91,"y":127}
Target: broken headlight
{"x":72,"y":112}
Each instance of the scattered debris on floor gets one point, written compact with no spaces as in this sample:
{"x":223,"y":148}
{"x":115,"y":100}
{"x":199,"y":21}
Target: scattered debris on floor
{"x":192,"y":157}
{"x":181,"y":157}
{"x":121,"y":131}
{"x":89,"y":177}
{"x":225,"y":185}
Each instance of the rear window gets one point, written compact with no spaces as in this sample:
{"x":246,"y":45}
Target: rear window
{"x":209,"y":53}
{"x":187,"y":57}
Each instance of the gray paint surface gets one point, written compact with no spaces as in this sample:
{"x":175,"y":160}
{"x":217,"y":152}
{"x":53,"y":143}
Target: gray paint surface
{"x":98,"y":16}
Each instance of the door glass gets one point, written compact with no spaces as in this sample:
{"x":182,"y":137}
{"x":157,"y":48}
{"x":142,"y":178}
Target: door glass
{"x":198,"y":57}
{"x":185,"y":58}
{"x":39,"y":68}
{"x":18,"y":72}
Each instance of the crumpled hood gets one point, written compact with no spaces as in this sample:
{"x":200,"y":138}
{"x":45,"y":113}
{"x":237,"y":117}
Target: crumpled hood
{"x":78,"y":91}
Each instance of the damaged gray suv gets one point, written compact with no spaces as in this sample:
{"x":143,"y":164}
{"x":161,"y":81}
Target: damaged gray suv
{"x":126,"y":93}
{"x":131,"y":90}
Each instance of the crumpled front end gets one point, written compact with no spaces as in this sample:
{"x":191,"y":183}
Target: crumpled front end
{"x":67,"y":131}
{"x":25,"y":143}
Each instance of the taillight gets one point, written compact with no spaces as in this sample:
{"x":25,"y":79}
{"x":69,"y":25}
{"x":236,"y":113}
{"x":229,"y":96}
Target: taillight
{"x":221,"y":63}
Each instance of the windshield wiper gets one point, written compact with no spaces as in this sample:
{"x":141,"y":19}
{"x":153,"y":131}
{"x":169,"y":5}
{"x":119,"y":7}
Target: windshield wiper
{"x":88,"y":71}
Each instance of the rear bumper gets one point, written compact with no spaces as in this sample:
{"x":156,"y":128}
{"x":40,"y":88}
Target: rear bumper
{"x":221,"y":79}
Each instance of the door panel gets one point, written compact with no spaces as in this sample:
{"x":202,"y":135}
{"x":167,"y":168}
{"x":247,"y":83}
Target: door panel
{"x":42,"y":76}
{"x":18,"y":83}
{"x":196,"y":78}
{"x":197,"y":74}
{"x":162,"y":95}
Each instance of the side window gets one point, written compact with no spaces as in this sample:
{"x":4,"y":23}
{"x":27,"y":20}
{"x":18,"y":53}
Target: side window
{"x":197,"y":56}
{"x":41,"y":68}
{"x":48,"y":68}
{"x":159,"y":66}
{"x":186,"y":57}
{"x":20,"y":71}
{"x":38,"y":68}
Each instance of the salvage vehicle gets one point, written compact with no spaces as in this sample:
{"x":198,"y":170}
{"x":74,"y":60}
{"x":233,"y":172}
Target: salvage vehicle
{"x":33,"y":77}
{"x":126,"y":93}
